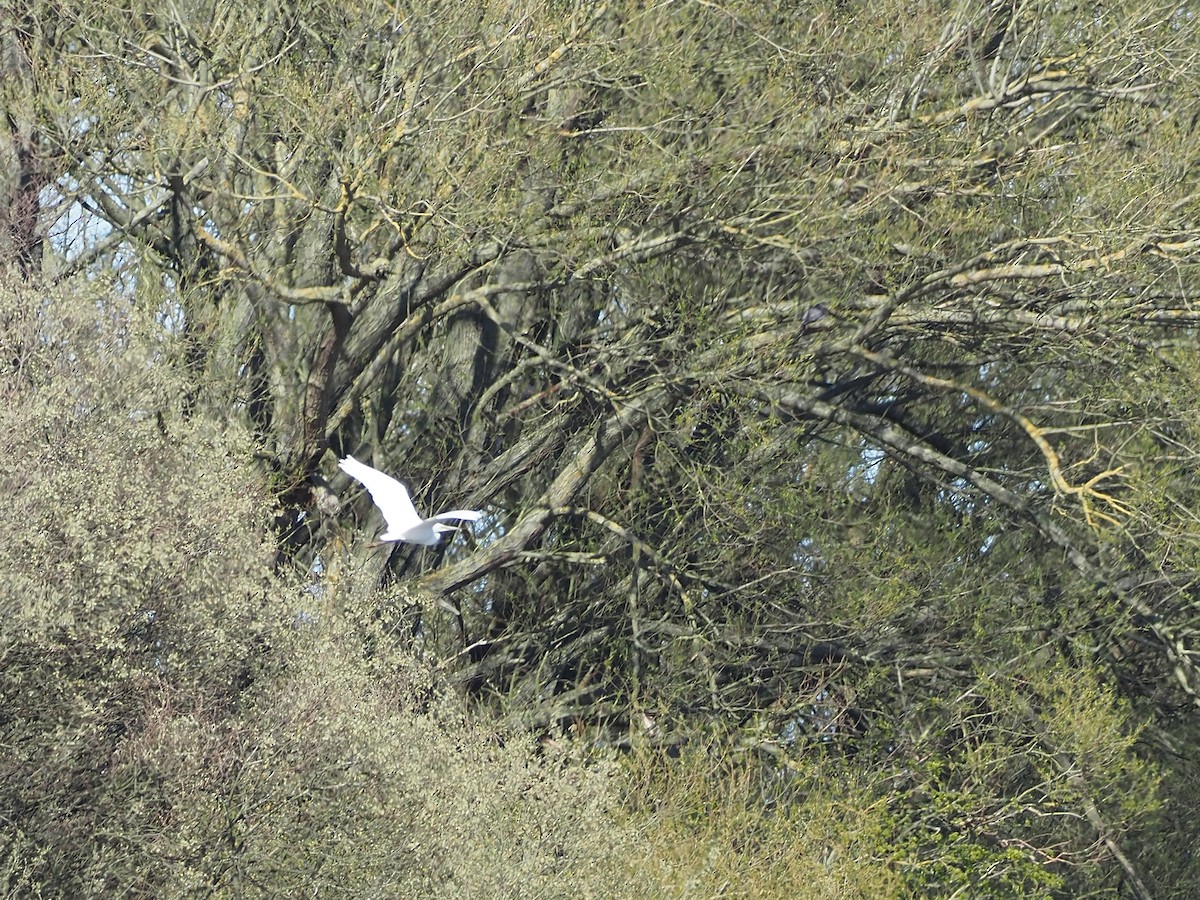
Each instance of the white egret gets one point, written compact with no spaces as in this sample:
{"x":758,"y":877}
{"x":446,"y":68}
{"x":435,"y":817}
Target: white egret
{"x":403,"y":522}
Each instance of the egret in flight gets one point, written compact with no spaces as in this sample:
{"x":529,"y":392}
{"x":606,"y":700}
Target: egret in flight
{"x":403,"y":522}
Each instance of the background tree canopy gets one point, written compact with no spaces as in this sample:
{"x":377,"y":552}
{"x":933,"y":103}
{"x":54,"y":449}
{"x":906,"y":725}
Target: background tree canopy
{"x":827,"y":372}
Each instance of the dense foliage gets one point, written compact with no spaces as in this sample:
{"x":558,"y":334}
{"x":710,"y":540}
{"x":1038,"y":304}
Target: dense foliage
{"x":828,"y":375}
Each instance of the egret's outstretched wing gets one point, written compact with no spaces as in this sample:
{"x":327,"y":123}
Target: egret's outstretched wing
{"x":389,"y":494}
{"x":471,"y":515}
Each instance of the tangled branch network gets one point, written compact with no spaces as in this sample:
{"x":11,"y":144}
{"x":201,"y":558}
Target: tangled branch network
{"x":403,"y":522}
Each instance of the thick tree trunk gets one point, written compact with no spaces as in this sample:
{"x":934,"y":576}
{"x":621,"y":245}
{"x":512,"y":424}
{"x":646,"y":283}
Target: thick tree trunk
{"x":23,"y":171}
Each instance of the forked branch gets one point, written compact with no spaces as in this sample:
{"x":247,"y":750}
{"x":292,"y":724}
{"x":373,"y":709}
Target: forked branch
{"x":1098,"y":505}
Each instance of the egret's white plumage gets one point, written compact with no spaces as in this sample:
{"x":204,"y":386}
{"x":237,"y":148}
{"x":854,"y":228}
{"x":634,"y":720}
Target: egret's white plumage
{"x":403,"y":523}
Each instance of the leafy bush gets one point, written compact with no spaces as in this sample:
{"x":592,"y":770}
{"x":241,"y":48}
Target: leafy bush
{"x":168,"y":728}
{"x":723,"y":825}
